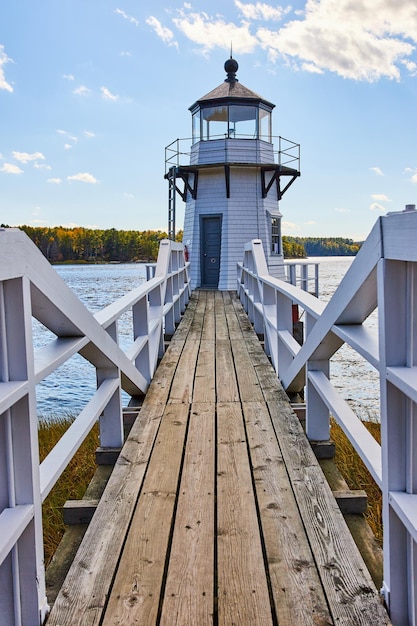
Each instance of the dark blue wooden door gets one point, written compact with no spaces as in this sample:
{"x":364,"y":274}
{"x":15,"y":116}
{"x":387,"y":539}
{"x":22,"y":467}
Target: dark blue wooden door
{"x":210,"y":251}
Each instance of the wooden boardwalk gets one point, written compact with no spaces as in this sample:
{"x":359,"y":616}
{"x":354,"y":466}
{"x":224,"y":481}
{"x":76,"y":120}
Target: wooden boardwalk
{"x":217,"y":512}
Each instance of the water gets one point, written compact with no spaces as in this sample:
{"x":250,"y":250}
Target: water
{"x":70,"y":387}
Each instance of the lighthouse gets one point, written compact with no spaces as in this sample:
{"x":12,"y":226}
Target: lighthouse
{"x":235,"y":175}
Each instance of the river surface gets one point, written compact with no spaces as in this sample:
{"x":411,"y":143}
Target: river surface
{"x":69,"y":388}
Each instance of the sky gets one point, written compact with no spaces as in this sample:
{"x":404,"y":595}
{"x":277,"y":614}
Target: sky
{"x":92,"y":91}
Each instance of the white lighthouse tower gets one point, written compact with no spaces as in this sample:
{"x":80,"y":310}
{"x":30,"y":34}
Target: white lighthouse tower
{"x":232,"y":182}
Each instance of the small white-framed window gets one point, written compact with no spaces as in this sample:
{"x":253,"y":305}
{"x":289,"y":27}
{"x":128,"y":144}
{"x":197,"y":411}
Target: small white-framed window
{"x":275,"y":235}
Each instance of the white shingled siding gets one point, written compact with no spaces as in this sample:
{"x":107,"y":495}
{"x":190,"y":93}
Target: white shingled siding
{"x":245,"y":216}
{"x":232,"y":151}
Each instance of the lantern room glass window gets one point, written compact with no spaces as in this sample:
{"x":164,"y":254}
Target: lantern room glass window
{"x":265,"y":125}
{"x":275,"y":235}
{"x":243,"y":122}
{"x":233,"y":121}
{"x":214,"y":122}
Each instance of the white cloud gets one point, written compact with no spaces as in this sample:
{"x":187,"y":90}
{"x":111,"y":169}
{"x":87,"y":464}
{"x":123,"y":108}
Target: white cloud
{"x":83,"y":177}
{"x":68,"y":146}
{"x":25,"y":157}
{"x":342,"y":210}
{"x":377,"y":171}
{"x":362,"y":40}
{"x":215,"y":33}
{"x":357,"y":39}
{"x":41,"y":166}
{"x":9,"y":168}
{"x":55,"y":181}
{"x":127,"y":17}
{"x":261,"y":11}
{"x":380,"y":197}
{"x":165,"y":34}
{"x":376,"y":207}
{"x":3,"y":60}
{"x":413,"y":172}
{"x":89,"y":134}
{"x":82,"y":90}
{"x":68,"y":76}
{"x":107,"y":95}
{"x":128,"y":195}
{"x":313,"y":69}
{"x":290,"y":227}
{"x":126,"y":53}
{"x":70,"y":137}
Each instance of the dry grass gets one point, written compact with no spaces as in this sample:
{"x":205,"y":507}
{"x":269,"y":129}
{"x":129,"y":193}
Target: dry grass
{"x":71,"y":485}
{"x":357,"y":476}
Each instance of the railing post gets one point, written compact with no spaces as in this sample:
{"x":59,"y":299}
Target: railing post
{"x":111,"y":420}
{"x":140,"y":331}
{"x":284,"y":323}
{"x":22,"y":575}
{"x":317,"y":413}
{"x":293,"y":274}
{"x":304,"y":277}
{"x":397,"y":306}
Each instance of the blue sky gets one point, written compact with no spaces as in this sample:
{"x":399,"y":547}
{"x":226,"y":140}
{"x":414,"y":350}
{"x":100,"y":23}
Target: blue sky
{"x":92,"y":92}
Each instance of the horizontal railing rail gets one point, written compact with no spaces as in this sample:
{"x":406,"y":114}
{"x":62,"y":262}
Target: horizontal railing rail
{"x":31,"y":288}
{"x":382,"y":276}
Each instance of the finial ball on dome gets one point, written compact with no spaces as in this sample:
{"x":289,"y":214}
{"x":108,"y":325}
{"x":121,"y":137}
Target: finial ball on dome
{"x":231,"y":66}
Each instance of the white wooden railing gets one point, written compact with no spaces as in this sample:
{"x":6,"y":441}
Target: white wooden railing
{"x":383,"y":275}
{"x":303,"y":274}
{"x":30,"y":287}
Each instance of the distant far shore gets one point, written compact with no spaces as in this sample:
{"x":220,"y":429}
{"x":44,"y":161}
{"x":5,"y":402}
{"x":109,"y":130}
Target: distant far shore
{"x":91,"y":246}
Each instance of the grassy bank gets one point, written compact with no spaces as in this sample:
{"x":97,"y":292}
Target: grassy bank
{"x":357,"y":476}
{"x":71,"y":485}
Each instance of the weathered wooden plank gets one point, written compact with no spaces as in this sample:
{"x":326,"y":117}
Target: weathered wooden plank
{"x":222,"y":331}
{"x":243,"y":596}
{"x":83,"y":596}
{"x":350,"y":592}
{"x":247,"y":379}
{"x":135,"y":595}
{"x":209,"y":328}
{"x":189,"y":590}
{"x":183,"y":382}
{"x":226,"y":383}
{"x":205,"y":374}
{"x":295,"y":584}
{"x":233,"y":327}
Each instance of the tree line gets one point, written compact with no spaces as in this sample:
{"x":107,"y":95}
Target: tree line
{"x":60,"y":244}
{"x":301,"y":247}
